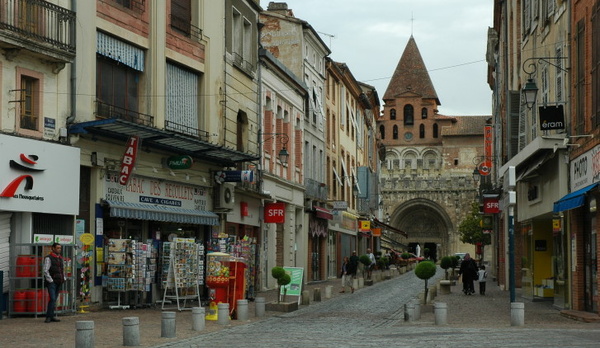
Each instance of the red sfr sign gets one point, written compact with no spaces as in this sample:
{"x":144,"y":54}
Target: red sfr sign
{"x":491,"y":205}
{"x":275,"y":213}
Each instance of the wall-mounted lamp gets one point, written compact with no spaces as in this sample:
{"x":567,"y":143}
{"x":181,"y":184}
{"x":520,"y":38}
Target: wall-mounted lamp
{"x":283,"y":155}
{"x":476,"y":175}
{"x":530,"y":89}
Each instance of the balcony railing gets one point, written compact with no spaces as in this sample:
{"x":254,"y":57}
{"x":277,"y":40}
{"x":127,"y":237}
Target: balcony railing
{"x":39,"y":21}
{"x":186,"y":130}
{"x":316,"y":190}
{"x":104,"y":110}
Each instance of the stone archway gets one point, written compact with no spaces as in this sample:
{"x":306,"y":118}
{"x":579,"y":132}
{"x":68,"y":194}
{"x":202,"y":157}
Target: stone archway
{"x":426,"y":223}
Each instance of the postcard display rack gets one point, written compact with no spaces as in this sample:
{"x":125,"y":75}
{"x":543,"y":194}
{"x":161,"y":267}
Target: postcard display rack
{"x":28,"y":293}
{"x":182,"y":272}
{"x":131,"y":267}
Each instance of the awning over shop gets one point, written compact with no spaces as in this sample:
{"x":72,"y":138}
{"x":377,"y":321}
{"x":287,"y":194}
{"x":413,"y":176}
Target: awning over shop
{"x":573,"y":199}
{"x":376,"y":222}
{"x":323,"y":213}
{"x":152,"y":212}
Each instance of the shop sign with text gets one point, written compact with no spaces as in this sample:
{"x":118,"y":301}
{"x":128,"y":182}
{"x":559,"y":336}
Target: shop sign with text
{"x":275,"y":213}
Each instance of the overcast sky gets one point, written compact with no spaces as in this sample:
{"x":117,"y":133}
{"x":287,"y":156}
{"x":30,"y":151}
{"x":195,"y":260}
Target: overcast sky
{"x":370,"y":36}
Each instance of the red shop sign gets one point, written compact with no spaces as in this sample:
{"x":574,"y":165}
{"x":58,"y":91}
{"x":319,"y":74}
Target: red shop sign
{"x":491,"y":206}
{"x":275,"y":213}
{"x":129,"y":159}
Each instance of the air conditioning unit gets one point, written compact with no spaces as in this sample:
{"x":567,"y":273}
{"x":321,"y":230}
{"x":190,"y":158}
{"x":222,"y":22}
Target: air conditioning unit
{"x":224,"y":196}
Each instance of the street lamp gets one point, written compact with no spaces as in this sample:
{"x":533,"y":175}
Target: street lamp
{"x":476,"y":175}
{"x":283,"y":155}
{"x":530,"y":89}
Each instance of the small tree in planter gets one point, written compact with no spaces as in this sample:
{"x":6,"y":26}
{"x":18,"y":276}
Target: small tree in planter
{"x":454,"y":260}
{"x":283,"y":279}
{"x":445,"y":263}
{"x":405,"y":256}
{"x":425,"y":270}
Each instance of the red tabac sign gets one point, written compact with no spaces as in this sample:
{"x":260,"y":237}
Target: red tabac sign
{"x":129,"y":159}
{"x":275,"y":213}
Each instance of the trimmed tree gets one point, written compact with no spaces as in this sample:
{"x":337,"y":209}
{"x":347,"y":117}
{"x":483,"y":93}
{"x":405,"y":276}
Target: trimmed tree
{"x":283,"y":279}
{"x":425,"y":270}
{"x":445,"y":263}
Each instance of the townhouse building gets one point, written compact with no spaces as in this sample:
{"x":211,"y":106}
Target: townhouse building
{"x":542,"y":60}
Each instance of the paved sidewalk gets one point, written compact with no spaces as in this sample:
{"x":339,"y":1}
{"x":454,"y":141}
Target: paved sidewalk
{"x":491,"y":311}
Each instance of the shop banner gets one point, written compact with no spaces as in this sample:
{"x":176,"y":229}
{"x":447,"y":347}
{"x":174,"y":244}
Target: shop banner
{"x":129,"y":158}
{"x":491,"y":206}
{"x":275,"y":213}
{"x":365,"y":226}
{"x":294,"y":288}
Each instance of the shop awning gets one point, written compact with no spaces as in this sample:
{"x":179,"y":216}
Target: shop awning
{"x":573,"y":199}
{"x":323,"y":213}
{"x":376,"y":222}
{"x":152,"y":212}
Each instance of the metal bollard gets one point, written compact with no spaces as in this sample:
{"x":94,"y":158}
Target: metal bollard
{"x":198,"y":321}
{"x":517,"y":314}
{"x":317,"y":295}
{"x":167,"y":325}
{"x":242,"y":310}
{"x":328,"y":290}
{"x":409,"y":311}
{"x":441,"y":313}
{"x":259,"y":306}
{"x":223,"y":313}
{"x":355,"y":283}
{"x":84,"y":336}
{"x":131,"y":331}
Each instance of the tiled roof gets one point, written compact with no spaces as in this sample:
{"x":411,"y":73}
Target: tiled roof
{"x":411,"y":75}
{"x":466,"y":125}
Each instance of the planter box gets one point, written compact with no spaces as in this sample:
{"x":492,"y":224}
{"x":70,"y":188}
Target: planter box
{"x":282,"y":306}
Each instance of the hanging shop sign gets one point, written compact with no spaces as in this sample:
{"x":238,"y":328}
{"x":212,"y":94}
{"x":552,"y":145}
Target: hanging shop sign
{"x":556,"y":228}
{"x":244,"y":209}
{"x":551,"y":117}
{"x":180,"y":162}
{"x":491,"y":206}
{"x":129,"y":158}
{"x":340,"y":205}
{"x":38,"y":176}
{"x":64,"y":240}
{"x":87,"y":238}
{"x":364,"y":226}
{"x":275,"y":213}
{"x":43,"y":238}
{"x":234,"y":176}
{"x":376,"y":232}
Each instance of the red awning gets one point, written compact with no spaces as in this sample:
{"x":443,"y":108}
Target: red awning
{"x":389,"y":228}
{"x":323,"y":213}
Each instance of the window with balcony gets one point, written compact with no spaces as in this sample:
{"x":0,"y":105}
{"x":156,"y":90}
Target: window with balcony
{"x":182,"y":100}
{"x":116,"y":87}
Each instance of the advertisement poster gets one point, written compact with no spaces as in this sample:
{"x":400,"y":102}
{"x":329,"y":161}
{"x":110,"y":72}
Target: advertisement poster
{"x":294,"y":288}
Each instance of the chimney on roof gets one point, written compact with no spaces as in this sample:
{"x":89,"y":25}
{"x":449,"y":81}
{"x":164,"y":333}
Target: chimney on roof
{"x":280,"y":8}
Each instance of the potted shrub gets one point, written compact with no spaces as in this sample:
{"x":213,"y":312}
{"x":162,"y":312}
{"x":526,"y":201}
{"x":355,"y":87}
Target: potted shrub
{"x":425,"y":270}
{"x":283,"y":279}
{"x":445,"y":263}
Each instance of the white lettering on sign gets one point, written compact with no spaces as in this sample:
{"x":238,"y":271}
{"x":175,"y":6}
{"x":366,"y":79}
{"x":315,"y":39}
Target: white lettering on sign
{"x":128,"y":159}
{"x":276,"y":212}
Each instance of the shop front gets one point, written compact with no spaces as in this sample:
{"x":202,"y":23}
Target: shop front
{"x":317,"y":243}
{"x":577,"y":214}
{"x":39,"y":197}
{"x":343,"y":230}
{"x":137,"y":226}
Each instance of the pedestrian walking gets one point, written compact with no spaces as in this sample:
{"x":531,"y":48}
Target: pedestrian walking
{"x":482,"y":275}
{"x":346,"y":275}
{"x":54,"y":277}
{"x":468,"y":271}
{"x":373,"y":263}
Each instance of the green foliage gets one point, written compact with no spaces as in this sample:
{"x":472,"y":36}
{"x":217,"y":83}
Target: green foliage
{"x":454,"y":260}
{"x":382,"y":262}
{"x":470,"y":228}
{"x":405,"y":256}
{"x":277,"y":272}
{"x":365,"y":260}
{"x":284,"y":280}
{"x":425,"y":270}
{"x":446,"y":262}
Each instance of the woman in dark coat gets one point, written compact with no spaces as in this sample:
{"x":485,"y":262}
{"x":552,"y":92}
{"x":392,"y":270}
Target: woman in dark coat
{"x":468,"y":271}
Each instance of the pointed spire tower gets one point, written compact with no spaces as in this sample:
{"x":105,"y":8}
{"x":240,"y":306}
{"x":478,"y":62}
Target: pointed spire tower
{"x":411,"y":76}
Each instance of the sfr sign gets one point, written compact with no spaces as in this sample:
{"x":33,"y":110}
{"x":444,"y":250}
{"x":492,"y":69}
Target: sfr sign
{"x":275,"y":213}
{"x":491,"y":206}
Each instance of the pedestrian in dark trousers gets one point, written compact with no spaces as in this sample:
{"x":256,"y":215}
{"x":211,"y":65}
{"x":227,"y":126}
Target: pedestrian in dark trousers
{"x":482,"y":275}
{"x":54,"y":276}
{"x":468,"y":271}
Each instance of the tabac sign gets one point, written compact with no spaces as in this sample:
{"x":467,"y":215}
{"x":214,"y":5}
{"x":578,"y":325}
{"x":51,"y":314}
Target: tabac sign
{"x":38,"y":176}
